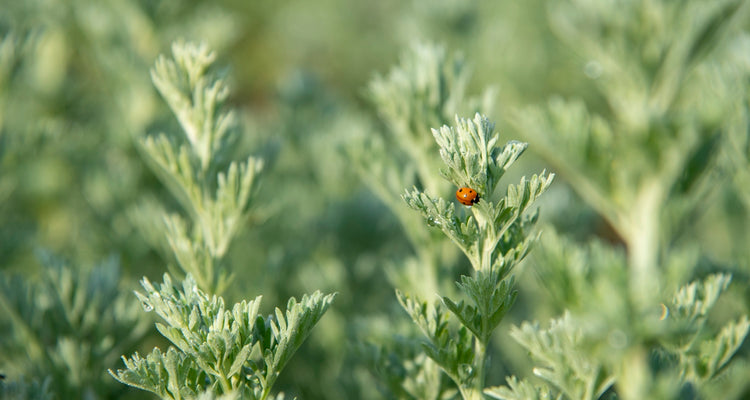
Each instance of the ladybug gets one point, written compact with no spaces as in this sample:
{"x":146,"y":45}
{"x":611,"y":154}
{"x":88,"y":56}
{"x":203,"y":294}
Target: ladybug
{"x":467,"y":196}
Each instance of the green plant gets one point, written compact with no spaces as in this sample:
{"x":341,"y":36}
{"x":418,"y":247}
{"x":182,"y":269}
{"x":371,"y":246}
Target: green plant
{"x":644,"y":162}
{"x":66,"y":328}
{"x":642,"y":113}
{"x":494,"y":237}
{"x":427,"y":88}
{"x":215,"y":198}
{"x":218,"y":350}
{"x":600,"y":341}
{"x":639,"y":315}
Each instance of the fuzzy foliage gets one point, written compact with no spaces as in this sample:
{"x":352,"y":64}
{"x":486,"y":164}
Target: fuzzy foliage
{"x":494,"y":237}
{"x":191,"y":166}
{"x":646,"y":163}
{"x":598,"y":345}
{"x":68,"y":328}
{"x":427,"y":88}
{"x":217,"y":349}
{"x":494,"y":228}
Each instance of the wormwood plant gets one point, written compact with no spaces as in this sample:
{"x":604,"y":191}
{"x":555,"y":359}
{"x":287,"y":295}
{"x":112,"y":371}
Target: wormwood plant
{"x":427,"y":88}
{"x":593,"y":350}
{"x":217,"y":351}
{"x":192,"y":167}
{"x":65,"y":330}
{"x":640,"y":323}
{"x":494,"y":236}
{"x":645,"y":159}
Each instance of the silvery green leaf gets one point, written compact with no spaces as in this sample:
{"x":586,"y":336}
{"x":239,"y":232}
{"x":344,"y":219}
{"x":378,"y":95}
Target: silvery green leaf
{"x":521,"y":390}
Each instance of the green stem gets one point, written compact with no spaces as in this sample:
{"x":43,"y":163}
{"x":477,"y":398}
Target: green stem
{"x":480,"y":363}
{"x":474,"y":390}
{"x":635,"y":375}
{"x":489,"y":238}
{"x":643,"y":240}
{"x":268,"y":382}
{"x":266,"y":392}
{"x":226,"y":387}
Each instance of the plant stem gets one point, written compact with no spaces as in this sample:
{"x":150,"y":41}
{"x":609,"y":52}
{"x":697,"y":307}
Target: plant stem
{"x":226,"y":387}
{"x":634,"y":370}
{"x":488,"y":241}
{"x":642,"y":239}
{"x":480,"y":362}
{"x":474,"y":389}
{"x":268,"y":384}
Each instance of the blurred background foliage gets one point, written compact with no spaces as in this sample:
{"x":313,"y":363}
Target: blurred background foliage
{"x":75,"y":94}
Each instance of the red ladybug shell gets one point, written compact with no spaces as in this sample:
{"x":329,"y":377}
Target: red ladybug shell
{"x":467,"y":196}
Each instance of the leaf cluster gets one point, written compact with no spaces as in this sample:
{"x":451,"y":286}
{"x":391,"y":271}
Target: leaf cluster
{"x":702,"y":353}
{"x":565,"y":364}
{"x":68,"y":327}
{"x":645,"y":162}
{"x":427,"y":88}
{"x":483,"y":235}
{"x":605,"y":341}
{"x":643,"y":53}
{"x":494,"y":237}
{"x":216,"y":200}
{"x":215,"y":348}
{"x":471,"y":153}
{"x":671,"y":85}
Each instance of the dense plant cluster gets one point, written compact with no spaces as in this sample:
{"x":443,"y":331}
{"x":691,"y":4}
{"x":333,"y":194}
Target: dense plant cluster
{"x":535,"y":200}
